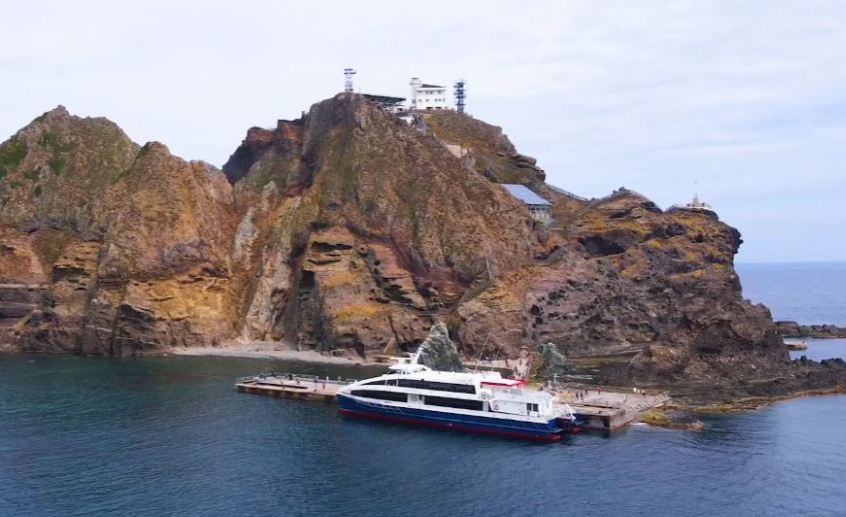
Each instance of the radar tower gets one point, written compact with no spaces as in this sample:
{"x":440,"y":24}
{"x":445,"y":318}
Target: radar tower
{"x":348,"y":76}
{"x":460,"y":93}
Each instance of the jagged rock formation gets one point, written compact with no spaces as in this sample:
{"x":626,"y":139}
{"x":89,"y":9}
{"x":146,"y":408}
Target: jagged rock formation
{"x":113,"y":248}
{"x":491,"y":152}
{"x":438,"y":351}
{"x":372,"y":225}
{"x":553,"y":362}
{"x":347,"y":229}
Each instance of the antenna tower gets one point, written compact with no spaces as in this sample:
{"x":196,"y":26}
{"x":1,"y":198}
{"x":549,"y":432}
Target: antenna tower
{"x":460,"y":93}
{"x":348,"y":84}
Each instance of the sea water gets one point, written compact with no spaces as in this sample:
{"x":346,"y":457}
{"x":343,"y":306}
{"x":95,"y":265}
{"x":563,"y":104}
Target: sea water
{"x":169,"y":436}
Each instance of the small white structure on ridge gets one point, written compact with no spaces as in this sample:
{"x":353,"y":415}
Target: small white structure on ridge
{"x":539,"y":207}
{"x":427,"y":96}
{"x":696,"y":204}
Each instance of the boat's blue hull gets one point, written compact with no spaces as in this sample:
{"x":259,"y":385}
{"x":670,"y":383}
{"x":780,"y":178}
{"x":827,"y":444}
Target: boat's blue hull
{"x":547,"y":431}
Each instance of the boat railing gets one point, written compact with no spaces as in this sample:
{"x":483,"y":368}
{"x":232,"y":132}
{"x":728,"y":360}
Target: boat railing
{"x":303,"y":378}
{"x":559,"y":386}
{"x":565,"y":411}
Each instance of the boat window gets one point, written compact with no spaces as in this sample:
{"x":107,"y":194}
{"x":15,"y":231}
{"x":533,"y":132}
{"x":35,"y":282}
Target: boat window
{"x":531,"y":407}
{"x":381,"y":395}
{"x":373,"y":383}
{"x":475,"y":405}
{"x":437,"y":386}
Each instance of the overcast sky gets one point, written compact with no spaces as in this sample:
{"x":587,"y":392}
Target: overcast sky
{"x":747,"y":97}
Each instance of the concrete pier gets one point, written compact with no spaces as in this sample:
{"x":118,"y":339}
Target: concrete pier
{"x":291,"y":385}
{"x":608,"y":408}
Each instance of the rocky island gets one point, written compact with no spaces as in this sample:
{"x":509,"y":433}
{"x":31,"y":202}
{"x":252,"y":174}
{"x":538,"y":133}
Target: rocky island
{"x":793,"y":329}
{"x":349,"y":230}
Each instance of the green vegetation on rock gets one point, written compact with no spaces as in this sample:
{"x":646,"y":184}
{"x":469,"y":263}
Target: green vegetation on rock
{"x":12,"y":154}
{"x":57,"y":164}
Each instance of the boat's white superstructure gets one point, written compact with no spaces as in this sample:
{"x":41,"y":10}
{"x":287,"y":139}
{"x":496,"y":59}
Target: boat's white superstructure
{"x":474,"y":401}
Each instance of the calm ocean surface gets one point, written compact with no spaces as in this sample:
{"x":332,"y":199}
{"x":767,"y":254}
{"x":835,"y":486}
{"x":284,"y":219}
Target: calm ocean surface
{"x":168,"y":436}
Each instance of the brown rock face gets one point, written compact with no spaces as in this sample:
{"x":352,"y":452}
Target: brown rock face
{"x":55,"y":172}
{"x":635,"y":280}
{"x":380,"y":225}
{"x":348,"y":230}
{"x":492,"y":153}
{"x":119,"y":249}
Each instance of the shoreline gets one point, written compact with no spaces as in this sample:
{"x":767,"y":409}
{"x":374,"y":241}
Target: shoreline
{"x":258,"y":351}
{"x":271,"y":351}
{"x":234,"y":352}
{"x":752,"y":403}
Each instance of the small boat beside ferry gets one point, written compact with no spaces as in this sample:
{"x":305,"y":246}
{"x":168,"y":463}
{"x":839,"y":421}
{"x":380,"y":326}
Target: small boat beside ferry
{"x":481,"y":402}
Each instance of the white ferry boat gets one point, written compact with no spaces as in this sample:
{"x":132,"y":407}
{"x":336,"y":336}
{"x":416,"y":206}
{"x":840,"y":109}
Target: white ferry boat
{"x":482,"y":402}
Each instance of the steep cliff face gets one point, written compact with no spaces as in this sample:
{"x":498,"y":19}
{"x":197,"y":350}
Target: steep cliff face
{"x":348,"y":230}
{"x":635,"y":280}
{"x":163,"y":277}
{"x":108,"y":247}
{"x":382,"y":224}
{"x":54,"y":175}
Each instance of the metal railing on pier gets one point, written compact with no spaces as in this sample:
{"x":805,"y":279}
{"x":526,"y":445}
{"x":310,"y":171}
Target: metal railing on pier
{"x":303,"y":378}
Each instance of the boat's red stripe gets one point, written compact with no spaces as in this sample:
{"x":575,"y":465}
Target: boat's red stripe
{"x":411,"y":420}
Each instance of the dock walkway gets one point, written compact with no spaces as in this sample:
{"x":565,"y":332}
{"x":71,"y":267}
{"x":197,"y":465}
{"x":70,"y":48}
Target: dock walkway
{"x":291,"y":385}
{"x":609,"y":409}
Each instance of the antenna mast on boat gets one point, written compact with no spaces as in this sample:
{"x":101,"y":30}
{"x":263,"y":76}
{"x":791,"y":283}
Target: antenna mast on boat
{"x":484,"y":345}
{"x":496,"y":355}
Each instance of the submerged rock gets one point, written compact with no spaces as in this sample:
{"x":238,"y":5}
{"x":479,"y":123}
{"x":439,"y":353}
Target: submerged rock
{"x":659,"y":417}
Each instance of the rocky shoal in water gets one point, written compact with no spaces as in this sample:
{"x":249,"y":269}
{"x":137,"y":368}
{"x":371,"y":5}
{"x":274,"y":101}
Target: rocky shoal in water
{"x":795,"y":330}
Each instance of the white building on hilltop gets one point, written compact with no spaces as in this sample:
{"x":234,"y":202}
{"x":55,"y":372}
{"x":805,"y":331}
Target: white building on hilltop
{"x":697,"y":204}
{"x":427,"y":96}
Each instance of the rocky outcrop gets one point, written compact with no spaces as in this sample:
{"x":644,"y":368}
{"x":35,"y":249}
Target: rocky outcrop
{"x":491,"y":152}
{"x":438,"y":351}
{"x":122,"y":249}
{"x":55,"y":172}
{"x":637,"y":281}
{"x":553,"y":362}
{"x":381,"y":227}
{"x":793,"y":329}
{"x":348,"y":231}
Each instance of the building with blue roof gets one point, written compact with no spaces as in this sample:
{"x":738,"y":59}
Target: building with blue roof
{"x":539,"y":207}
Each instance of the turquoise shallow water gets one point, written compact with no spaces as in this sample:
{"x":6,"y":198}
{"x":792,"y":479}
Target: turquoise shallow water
{"x":169,"y":436}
